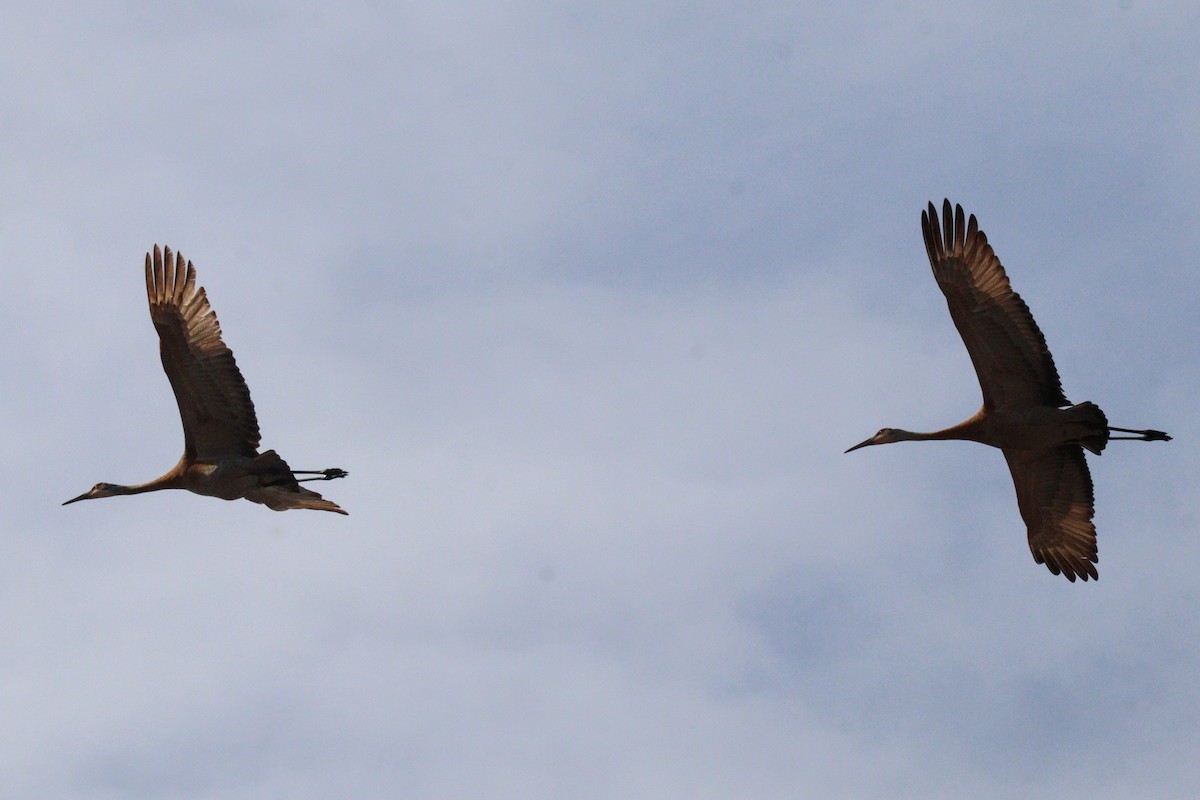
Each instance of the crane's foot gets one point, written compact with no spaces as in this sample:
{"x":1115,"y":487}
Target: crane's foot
{"x":1144,"y":436}
{"x":322,"y":474}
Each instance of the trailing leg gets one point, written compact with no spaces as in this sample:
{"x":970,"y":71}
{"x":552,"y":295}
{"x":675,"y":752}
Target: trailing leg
{"x":322,"y":474}
{"x":1142,"y":436}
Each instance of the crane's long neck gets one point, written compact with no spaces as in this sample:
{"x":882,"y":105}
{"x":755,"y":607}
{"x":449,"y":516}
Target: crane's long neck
{"x":150,"y":486}
{"x":970,"y":430}
{"x":171,"y":480}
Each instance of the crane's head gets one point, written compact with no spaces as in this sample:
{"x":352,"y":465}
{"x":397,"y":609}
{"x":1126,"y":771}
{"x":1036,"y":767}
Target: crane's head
{"x":99,"y":490}
{"x":885,"y":436}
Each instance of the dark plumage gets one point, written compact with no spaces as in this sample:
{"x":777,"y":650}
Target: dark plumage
{"x":1025,"y":412}
{"x":220,"y":430}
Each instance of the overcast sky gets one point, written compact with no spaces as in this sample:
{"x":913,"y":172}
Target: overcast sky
{"x":589,"y":301}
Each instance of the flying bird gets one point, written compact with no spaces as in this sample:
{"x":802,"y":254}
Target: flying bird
{"x":220,"y":431}
{"x":1025,"y":412}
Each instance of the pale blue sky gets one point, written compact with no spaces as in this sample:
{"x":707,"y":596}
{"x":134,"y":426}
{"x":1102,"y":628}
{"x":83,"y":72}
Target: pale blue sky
{"x":589,"y":303}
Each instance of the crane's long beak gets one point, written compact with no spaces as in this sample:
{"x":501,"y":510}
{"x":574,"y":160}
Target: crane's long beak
{"x":83,"y":496}
{"x":862,"y":444}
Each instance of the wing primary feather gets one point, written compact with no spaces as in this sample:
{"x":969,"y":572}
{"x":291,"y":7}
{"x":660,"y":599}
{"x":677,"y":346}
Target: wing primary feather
{"x":972,"y":237}
{"x":930,"y":243}
{"x":947,"y":226}
{"x":190,"y":283}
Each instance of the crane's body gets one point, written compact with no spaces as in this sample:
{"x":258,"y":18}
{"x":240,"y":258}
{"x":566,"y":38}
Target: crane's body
{"x":220,"y":429}
{"x":1025,"y":413}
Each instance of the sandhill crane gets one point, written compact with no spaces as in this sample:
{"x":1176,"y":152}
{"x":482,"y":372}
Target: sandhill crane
{"x":1024,"y":412}
{"x":220,"y":430}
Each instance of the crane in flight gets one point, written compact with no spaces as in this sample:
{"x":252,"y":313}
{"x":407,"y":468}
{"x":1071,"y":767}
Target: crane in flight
{"x":220,"y":431}
{"x":1025,"y":412}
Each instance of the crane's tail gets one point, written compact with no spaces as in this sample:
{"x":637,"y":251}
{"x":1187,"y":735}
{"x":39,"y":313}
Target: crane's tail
{"x":283,"y":498}
{"x":309,"y":499}
{"x":279,"y":490}
{"x":1092,"y":425}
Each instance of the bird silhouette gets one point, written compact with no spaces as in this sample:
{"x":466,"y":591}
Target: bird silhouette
{"x":220,"y":430}
{"x":1025,"y":412}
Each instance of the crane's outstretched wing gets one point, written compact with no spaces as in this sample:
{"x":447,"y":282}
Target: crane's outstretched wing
{"x":214,"y":401}
{"x":1008,"y":350}
{"x":1054,"y":492}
